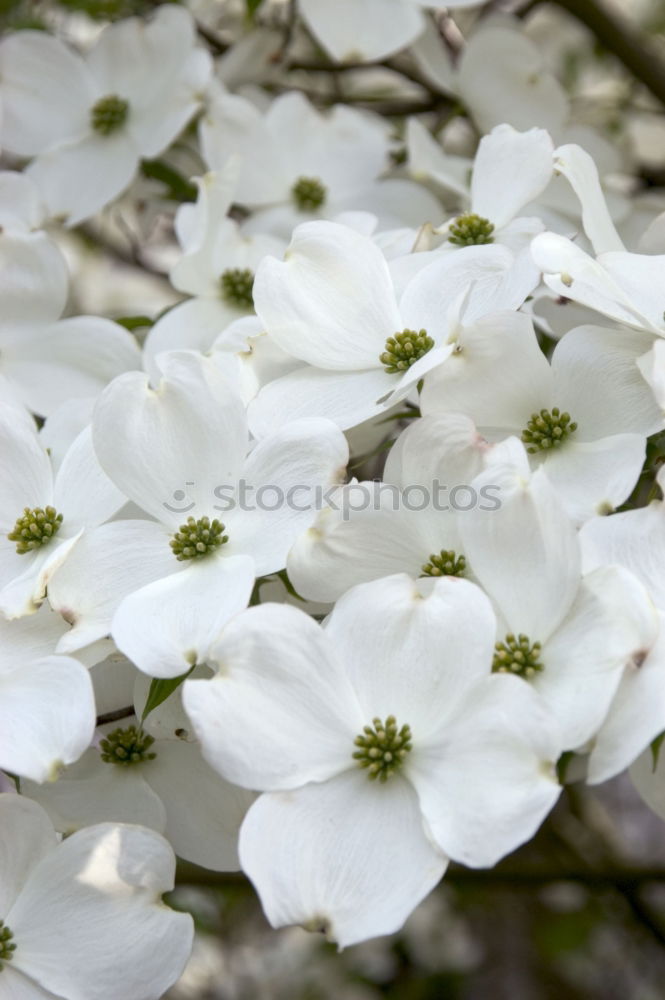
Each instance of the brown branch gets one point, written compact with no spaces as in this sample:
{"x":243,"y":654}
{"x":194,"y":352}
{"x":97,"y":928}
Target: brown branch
{"x":120,"y":713}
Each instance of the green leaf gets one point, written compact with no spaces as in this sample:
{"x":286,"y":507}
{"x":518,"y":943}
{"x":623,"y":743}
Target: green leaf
{"x":178,"y":188}
{"x":162,"y":688}
{"x":133,"y":322}
{"x":655,"y":751}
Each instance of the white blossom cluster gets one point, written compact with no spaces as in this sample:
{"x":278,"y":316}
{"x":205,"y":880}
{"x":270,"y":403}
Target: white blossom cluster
{"x":215,"y":641}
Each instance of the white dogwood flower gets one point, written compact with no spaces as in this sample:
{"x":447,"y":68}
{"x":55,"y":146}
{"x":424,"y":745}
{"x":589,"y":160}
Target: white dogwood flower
{"x":94,"y":898}
{"x":584,"y":417}
{"x":383,"y":747}
{"x":332,"y":303}
{"x":568,"y":635}
{"x":89,"y":120}
{"x":298,"y":164}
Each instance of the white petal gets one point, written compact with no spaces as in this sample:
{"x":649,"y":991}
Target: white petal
{"x":33,"y":282}
{"x":286,"y":473}
{"x":27,"y":837}
{"x":47,"y":716}
{"x":402,"y":643}
{"x":497,"y":374}
{"x":184,"y":438}
{"x":281,"y":711}
{"x":581,"y":173}
{"x":189,"y":326}
{"x":486,"y":273}
{"x":82,"y":492}
{"x":170,"y":624}
{"x":108,"y":563}
{"x":73,"y":358}
{"x":510,"y":170}
{"x":95,"y":791}
{"x":76,"y":179}
{"x":31,"y":483}
{"x":599,"y":383}
{"x":636,"y":716}
{"x":368,"y":536}
{"x":634,"y":539}
{"x":47,"y":92}
{"x":109,"y":877}
{"x":502,"y":78}
{"x":331,"y":301}
{"x":320,"y":857}
{"x":447,"y":448}
{"x":524,"y":552}
{"x":29,"y":638}
{"x":487,"y":780}
{"x":594,"y":477}
{"x":346,"y":398}
{"x":573,"y":274}
{"x":203,"y":812}
{"x":611,"y":624}
{"x":365,"y":31}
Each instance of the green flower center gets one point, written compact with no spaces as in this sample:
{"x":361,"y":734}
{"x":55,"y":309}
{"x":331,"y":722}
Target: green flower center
{"x":308,"y":193}
{"x":404,"y":349}
{"x":126,"y":747}
{"x":445,"y":564}
{"x":109,"y":114}
{"x":7,"y":946}
{"x":517,"y":655}
{"x":197,"y":539}
{"x":547,"y":429}
{"x":236,"y":284}
{"x":383,"y":748}
{"x":35,"y":528}
{"x":470,"y":230}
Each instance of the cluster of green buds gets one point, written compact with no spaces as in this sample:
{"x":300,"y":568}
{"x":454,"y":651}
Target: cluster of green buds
{"x":7,"y":946}
{"x":127,"y":746}
{"x":197,"y":538}
{"x":517,"y":655}
{"x":237,"y":285}
{"x":109,"y":114}
{"x":308,"y":194}
{"x":404,"y":349}
{"x":470,"y":230}
{"x":446,"y":563}
{"x":547,"y":429}
{"x":383,"y":748}
{"x":34,"y":528}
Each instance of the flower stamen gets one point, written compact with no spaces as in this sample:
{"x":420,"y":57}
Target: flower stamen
{"x":383,"y":748}
{"x":109,"y":114}
{"x":127,"y":746}
{"x":196,"y":539}
{"x":517,"y":655}
{"x":547,"y":429}
{"x":7,"y":946}
{"x":308,"y":193}
{"x":446,"y":563}
{"x":470,"y":230}
{"x":34,"y":528}
{"x":236,"y":286}
{"x":404,"y":349}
